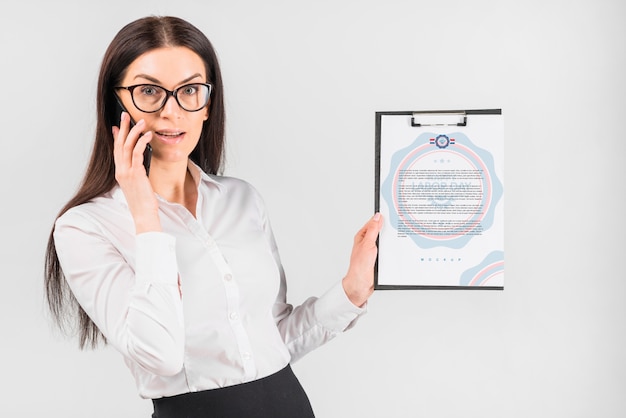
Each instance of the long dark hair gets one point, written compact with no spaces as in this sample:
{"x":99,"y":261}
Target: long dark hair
{"x":131,"y":41}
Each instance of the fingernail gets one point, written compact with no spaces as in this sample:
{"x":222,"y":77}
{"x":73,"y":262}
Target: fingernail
{"x":377,"y":216}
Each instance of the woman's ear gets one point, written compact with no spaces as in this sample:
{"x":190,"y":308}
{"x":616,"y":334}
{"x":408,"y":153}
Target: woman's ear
{"x":206,"y":111}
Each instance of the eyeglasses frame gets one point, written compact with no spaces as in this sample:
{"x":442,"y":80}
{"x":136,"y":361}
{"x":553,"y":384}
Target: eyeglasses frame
{"x":168,"y":94}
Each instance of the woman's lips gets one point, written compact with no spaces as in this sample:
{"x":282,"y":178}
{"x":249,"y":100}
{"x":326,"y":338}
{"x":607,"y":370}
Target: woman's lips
{"x":170,"y":137}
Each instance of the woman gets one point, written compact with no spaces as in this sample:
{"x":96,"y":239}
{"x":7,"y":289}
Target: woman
{"x":177,"y":268}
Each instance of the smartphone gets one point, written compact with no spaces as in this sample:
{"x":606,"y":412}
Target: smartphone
{"x":147,"y":153}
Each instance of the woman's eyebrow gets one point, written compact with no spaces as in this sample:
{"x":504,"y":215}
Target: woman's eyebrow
{"x":156,"y":81}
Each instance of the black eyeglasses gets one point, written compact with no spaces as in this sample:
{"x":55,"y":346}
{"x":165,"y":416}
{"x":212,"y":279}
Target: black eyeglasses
{"x":150,"y":98}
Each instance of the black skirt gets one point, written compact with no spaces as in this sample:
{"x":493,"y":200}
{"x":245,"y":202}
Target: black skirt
{"x":276,"y":396}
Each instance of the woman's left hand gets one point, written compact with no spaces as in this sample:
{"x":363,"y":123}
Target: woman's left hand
{"x":359,"y":281}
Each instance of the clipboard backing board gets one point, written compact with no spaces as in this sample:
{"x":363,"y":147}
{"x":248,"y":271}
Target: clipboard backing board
{"x":440,"y":188}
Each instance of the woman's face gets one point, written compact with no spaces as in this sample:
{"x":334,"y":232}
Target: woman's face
{"x":175,"y":131}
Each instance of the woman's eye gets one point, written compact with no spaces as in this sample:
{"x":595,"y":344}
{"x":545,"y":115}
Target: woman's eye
{"x":148,"y":91}
{"x":190,"y":90}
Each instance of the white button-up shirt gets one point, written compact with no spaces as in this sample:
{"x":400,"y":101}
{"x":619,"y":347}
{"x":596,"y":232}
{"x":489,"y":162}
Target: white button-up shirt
{"x":232,"y":324}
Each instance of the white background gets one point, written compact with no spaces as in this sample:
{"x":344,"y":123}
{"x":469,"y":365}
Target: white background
{"x":303,"y":81}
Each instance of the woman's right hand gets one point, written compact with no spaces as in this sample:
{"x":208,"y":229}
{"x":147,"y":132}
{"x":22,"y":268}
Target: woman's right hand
{"x":128,"y":148}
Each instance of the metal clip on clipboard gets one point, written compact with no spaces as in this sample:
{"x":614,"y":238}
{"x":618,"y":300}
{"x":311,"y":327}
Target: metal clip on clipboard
{"x":437,"y":118}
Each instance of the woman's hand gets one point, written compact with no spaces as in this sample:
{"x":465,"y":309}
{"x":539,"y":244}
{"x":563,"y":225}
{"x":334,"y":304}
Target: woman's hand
{"x":359,"y":281}
{"x":128,"y":148}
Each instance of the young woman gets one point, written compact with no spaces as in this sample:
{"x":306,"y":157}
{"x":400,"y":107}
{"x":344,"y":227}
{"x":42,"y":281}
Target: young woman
{"x":177,"y":268}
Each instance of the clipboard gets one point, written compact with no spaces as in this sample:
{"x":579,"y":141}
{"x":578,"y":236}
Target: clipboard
{"x":440,"y":188}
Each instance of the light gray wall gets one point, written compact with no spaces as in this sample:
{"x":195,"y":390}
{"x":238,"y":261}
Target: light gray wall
{"x":303,"y":81}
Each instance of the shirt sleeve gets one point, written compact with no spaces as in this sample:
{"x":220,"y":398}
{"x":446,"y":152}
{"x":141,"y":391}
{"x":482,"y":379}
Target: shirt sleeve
{"x":135,"y":304}
{"x":316,"y":321}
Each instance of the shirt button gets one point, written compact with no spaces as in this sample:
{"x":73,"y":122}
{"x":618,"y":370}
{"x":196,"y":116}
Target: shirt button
{"x":228,"y":277}
{"x":246,"y":356}
{"x":233,"y":316}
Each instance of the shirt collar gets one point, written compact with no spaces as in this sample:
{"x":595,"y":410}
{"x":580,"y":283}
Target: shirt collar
{"x":198,"y":175}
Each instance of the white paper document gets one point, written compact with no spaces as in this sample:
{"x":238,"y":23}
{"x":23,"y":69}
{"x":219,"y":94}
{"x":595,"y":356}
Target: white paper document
{"x":440,"y":188}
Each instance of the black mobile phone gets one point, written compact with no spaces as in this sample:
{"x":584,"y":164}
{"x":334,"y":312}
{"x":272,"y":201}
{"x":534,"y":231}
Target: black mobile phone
{"x":147,"y":153}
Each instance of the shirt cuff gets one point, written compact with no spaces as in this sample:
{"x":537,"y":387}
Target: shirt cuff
{"x":335,"y":311}
{"x":156,"y":258}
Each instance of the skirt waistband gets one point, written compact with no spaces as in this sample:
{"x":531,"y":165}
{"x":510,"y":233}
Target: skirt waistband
{"x":279,"y":395}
